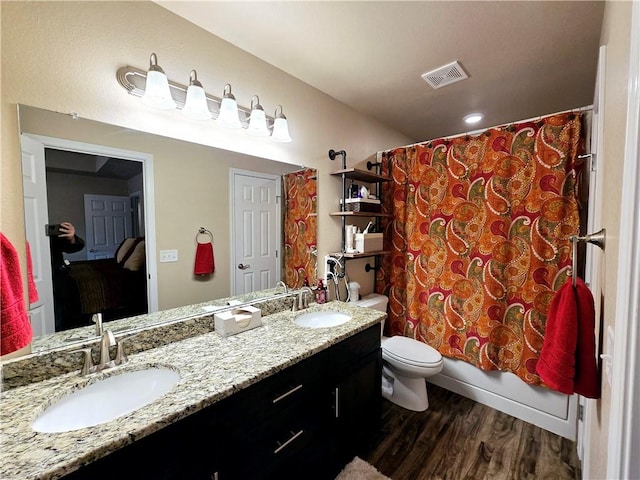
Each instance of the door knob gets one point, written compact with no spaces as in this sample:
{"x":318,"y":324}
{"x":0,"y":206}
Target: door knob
{"x":243,"y":267}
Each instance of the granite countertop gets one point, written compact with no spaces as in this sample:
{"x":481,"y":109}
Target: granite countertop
{"x":211,"y":368}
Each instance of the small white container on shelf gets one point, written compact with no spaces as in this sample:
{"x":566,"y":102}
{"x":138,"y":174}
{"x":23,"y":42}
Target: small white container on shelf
{"x":350,"y":231}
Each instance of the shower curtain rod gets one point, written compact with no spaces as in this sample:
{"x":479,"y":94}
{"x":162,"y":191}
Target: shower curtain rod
{"x":479,"y":131}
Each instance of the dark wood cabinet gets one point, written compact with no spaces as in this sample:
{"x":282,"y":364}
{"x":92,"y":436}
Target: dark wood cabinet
{"x":306,"y":421}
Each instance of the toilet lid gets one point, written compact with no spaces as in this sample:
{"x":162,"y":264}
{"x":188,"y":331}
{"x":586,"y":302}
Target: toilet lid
{"x":411,"y":351}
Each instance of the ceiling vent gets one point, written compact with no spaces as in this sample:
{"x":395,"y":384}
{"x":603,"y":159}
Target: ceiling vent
{"x":444,"y":76}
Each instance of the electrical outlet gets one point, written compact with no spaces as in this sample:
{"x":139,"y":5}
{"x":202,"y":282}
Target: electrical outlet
{"x":168,"y":256}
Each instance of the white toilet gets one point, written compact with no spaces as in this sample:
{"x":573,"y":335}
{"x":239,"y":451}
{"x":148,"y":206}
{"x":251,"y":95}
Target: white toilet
{"x":406,"y":363}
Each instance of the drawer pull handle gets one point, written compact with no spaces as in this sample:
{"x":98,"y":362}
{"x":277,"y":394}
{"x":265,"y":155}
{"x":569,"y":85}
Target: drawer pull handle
{"x":284,"y":395}
{"x":277,"y":450}
{"x":337,"y":400}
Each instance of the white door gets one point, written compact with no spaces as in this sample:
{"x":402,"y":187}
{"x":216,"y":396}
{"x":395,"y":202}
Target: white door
{"x":36,"y":216}
{"x":107,"y":224}
{"x":255,"y":230}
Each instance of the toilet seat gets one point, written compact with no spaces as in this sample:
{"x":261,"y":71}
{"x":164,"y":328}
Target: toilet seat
{"x":411,"y":352}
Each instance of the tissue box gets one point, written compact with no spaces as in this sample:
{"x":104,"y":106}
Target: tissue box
{"x":237,"y":320}
{"x":368,"y":242}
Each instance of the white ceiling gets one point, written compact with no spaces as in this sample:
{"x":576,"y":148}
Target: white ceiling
{"x":524,"y":58}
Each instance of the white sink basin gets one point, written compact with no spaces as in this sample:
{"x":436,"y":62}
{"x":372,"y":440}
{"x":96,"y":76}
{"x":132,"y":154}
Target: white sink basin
{"x":106,"y":400}
{"x":322,"y":319}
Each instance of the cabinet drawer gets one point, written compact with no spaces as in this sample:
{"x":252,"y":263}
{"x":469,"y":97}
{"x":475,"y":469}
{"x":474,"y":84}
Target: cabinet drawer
{"x":280,"y":391}
{"x":277,"y":446}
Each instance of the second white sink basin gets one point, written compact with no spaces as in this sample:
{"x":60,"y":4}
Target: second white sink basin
{"x":106,"y":400}
{"x":323,"y":319}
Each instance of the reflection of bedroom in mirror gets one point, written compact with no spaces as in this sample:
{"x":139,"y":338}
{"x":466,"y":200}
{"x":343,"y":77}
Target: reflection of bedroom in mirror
{"x":104,"y":270}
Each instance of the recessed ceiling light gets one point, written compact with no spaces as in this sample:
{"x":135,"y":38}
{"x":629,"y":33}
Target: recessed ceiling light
{"x":473,"y":118}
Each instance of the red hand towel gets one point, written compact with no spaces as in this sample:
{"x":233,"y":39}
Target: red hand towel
{"x":587,"y":382}
{"x":556,"y":365}
{"x":205,"y":264}
{"x":33,"y":291}
{"x":15,"y":328}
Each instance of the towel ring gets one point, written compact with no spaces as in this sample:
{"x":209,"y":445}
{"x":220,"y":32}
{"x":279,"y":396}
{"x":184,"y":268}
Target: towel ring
{"x":598,"y":238}
{"x":204,"y":231}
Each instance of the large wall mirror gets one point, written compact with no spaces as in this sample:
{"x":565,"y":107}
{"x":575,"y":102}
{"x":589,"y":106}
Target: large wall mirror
{"x":142,"y":204}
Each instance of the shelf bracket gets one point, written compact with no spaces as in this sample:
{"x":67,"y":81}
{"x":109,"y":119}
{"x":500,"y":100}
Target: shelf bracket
{"x":333,"y":154}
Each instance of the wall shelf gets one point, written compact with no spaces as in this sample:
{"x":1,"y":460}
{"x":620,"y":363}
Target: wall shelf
{"x":361,"y":255}
{"x":360,"y":214}
{"x":361,"y":175}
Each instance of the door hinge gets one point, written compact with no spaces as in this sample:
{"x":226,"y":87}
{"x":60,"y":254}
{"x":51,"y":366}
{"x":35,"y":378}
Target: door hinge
{"x":276,"y":253}
{"x":580,"y":412}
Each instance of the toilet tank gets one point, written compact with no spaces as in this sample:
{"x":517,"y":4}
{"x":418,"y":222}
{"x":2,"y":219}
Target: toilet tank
{"x":376,"y":302}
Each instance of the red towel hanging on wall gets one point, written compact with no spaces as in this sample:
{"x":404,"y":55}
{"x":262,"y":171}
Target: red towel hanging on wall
{"x":33,"y":291}
{"x":587,"y":380}
{"x":205,"y":264}
{"x":567,"y":361}
{"x":15,"y":327}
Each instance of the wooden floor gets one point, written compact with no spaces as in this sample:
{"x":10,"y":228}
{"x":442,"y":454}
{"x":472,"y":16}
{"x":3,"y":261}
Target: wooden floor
{"x":457,"y":438}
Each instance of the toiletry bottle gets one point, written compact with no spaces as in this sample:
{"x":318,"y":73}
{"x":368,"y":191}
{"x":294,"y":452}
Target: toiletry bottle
{"x":321,"y":296}
{"x":353,"y":190}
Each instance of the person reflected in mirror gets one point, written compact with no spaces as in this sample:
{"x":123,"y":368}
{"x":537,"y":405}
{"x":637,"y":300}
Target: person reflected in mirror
{"x":66,"y":242}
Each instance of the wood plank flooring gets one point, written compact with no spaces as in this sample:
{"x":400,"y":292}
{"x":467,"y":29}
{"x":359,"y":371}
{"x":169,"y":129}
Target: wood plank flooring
{"x":459,"y":439}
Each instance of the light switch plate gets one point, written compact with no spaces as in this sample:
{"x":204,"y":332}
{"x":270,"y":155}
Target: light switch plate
{"x":607,"y":359}
{"x":168,"y":256}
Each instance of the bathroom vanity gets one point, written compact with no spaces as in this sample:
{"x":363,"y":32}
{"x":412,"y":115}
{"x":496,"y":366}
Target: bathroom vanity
{"x":279,"y":401}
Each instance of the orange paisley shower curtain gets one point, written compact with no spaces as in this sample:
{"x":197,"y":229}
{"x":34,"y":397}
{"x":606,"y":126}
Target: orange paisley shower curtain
{"x":300,"y":227}
{"x":480,"y":240}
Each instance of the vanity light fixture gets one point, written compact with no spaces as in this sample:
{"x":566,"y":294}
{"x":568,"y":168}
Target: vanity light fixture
{"x":225,"y":110}
{"x":257,"y":120}
{"x":228,"y":116}
{"x":473,"y":118}
{"x":156,"y":91}
{"x":195,"y":106}
{"x":280,"y":127}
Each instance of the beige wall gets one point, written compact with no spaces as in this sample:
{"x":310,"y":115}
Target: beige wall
{"x":63,"y":56}
{"x":616,"y":31}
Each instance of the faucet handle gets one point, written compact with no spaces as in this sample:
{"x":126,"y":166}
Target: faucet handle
{"x":87,"y":364}
{"x":121,"y":356}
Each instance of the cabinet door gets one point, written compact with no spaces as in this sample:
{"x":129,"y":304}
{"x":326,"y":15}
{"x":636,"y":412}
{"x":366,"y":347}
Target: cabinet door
{"x":357,"y":403}
{"x":192,"y":448}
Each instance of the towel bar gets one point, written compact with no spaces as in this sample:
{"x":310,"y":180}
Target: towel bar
{"x":598,"y":238}
{"x":204,"y":231}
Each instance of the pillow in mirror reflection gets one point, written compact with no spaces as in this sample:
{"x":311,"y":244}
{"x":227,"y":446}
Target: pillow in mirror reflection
{"x":131,"y":253}
{"x":136,"y":260}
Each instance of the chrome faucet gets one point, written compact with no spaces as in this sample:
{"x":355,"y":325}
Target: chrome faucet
{"x":302,"y":297}
{"x":97,"y":319}
{"x":107,"y":340}
{"x":283,"y":285}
